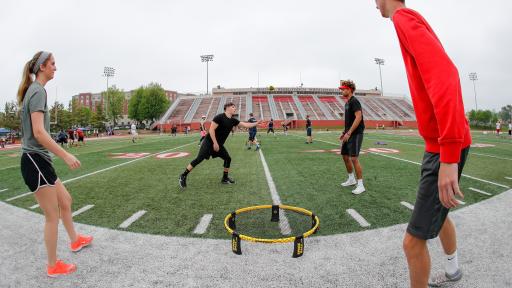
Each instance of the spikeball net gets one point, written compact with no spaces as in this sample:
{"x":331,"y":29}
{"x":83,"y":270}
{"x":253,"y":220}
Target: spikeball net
{"x":298,"y":247}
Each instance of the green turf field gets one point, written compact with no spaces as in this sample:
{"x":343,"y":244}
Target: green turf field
{"x":118,"y":188}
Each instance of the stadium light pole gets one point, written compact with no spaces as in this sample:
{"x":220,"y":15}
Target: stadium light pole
{"x":473,"y":77}
{"x":380,"y":61}
{"x":206,"y":58}
{"x":108,"y":72}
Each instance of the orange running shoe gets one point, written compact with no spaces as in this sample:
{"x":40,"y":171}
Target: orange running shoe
{"x":81,"y":242}
{"x":60,"y":269}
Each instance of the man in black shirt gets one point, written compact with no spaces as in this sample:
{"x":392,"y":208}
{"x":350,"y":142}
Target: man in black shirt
{"x":252,"y":134}
{"x":352,"y":137}
{"x":271,"y":127}
{"x":309,"y":138}
{"x":213,"y":144}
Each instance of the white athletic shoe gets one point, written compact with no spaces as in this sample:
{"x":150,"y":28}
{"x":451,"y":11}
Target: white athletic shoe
{"x":349,"y":182}
{"x":359,"y":189}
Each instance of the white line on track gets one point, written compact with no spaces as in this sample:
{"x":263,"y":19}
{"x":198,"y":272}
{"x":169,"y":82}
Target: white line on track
{"x":82,"y":210}
{"x":283,"y":220}
{"x":362,"y":222}
{"x":9,"y":167}
{"x":132,"y":219}
{"x":509,"y":178}
{"x":34,"y":207}
{"x":480,"y":191}
{"x":3,"y":190}
{"x":417,"y":163}
{"x":203,"y":224}
{"x":408,"y":205}
{"x":103,"y":170}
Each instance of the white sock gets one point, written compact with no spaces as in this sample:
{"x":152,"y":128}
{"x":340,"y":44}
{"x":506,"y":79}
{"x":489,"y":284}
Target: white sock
{"x":360,"y":182}
{"x":452,"y":263}
{"x":351,"y":176}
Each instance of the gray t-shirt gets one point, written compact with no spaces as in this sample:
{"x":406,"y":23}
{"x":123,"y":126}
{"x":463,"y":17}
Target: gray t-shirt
{"x":34,"y":101}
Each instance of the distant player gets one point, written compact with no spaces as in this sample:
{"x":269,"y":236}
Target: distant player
{"x":213,"y":144}
{"x":510,"y":128}
{"x":271,"y":127}
{"x":133,"y":132}
{"x":352,"y":137}
{"x":498,"y":127}
{"x":252,"y":134}
{"x":309,"y":131}
{"x":71,"y":138}
{"x":285,"y":128}
{"x":80,"y":135}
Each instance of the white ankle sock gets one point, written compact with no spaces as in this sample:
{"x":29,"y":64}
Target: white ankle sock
{"x":452,"y":263}
{"x":351,"y":176}
{"x":360,"y":182}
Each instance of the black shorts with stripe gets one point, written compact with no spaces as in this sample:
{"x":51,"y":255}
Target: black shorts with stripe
{"x":37,"y":171}
{"x":353,"y":146}
{"x":429,"y":214}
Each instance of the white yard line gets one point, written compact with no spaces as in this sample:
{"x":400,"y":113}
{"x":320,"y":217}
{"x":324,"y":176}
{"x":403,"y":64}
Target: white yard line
{"x":283,"y":220}
{"x":103,"y":170}
{"x":417,"y":163}
{"x":408,"y":205}
{"x":82,"y":210}
{"x":509,"y":178}
{"x":480,"y":191}
{"x":34,"y":207}
{"x":9,"y":167}
{"x":132,"y":219}
{"x":203,"y":224}
{"x":3,"y":190}
{"x":362,"y":222}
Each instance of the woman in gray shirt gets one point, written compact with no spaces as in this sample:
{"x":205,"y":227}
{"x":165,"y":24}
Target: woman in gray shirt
{"x":36,"y":162}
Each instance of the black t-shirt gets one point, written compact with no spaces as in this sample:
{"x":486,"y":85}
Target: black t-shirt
{"x":225,"y":126}
{"x":271,"y":124}
{"x":351,"y":107}
{"x":252,"y":120}
{"x":308,"y":123}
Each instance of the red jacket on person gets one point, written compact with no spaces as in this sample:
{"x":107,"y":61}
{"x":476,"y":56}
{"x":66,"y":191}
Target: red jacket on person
{"x":435,"y":87}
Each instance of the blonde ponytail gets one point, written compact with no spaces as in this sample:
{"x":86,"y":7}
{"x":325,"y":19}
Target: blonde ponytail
{"x":26,"y":79}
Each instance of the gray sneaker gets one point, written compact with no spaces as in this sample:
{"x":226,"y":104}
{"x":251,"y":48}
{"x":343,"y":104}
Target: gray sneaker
{"x":444,"y":280}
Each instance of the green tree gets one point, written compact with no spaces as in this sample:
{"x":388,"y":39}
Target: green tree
{"x":154,"y":102}
{"x":63,"y":119}
{"x":506,"y":113}
{"x":115,"y":100}
{"x":11,"y":119}
{"x":134,"y":107}
{"x":98,"y":117}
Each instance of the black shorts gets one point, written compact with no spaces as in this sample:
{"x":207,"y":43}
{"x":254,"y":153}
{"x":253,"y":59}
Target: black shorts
{"x":206,"y":151}
{"x":252,"y":135}
{"x":37,"y":171}
{"x":270,"y":130}
{"x":80,"y":139}
{"x":308,"y":131}
{"x":353,"y":146}
{"x":429,"y":214}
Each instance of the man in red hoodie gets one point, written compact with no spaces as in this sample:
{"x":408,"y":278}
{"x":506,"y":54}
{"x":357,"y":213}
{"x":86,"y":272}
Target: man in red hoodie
{"x":437,"y":98}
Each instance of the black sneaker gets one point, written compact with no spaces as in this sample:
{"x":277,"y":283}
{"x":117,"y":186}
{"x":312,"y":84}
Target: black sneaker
{"x":227,"y":180}
{"x":183,"y":181}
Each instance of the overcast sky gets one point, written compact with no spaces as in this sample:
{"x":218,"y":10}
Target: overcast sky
{"x":284,"y":41}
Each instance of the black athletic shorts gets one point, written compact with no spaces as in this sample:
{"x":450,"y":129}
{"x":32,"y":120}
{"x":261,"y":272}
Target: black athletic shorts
{"x":37,"y":171}
{"x":353,"y":146}
{"x":252,"y":135}
{"x":429,"y":214}
{"x":80,"y":139}
{"x":206,"y":151}
{"x":270,"y":130}
{"x":308,"y":131}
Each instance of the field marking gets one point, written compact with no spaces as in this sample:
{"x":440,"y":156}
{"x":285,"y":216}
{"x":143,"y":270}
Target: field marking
{"x":9,"y":167}
{"x":82,"y":210}
{"x":480,"y":191}
{"x":509,"y":178}
{"x":34,"y":207}
{"x":4,"y":190}
{"x":408,"y":205}
{"x":132,"y":219}
{"x":203,"y":224}
{"x":360,"y":219}
{"x":283,"y":220}
{"x":417,"y":163}
{"x":103,"y":170}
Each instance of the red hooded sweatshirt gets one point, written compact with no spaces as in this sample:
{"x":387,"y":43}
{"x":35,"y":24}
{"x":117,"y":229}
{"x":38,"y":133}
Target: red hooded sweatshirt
{"x":435,"y":87}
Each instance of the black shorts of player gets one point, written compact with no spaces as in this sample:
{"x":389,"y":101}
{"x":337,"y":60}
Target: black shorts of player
{"x":270,"y":130}
{"x":353,"y":146}
{"x":37,"y":171}
{"x":80,"y":139}
{"x":206,"y":151}
{"x":252,"y":135}
{"x":429,"y":214}
{"x":308,"y":131}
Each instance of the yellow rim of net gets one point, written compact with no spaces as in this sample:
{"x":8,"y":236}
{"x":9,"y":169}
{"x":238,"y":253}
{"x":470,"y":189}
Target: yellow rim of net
{"x":277,"y":240}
